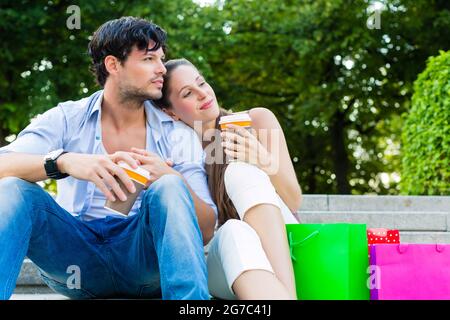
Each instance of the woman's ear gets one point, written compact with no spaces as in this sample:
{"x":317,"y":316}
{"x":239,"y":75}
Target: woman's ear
{"x":171,"y":114}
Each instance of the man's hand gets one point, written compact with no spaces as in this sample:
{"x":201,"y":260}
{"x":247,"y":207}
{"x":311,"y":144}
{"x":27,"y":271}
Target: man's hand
{"x":154,"y":164}
{"x":100,"y":169}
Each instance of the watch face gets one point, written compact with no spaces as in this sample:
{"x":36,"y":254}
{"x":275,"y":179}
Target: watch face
{"x":54,"y":154}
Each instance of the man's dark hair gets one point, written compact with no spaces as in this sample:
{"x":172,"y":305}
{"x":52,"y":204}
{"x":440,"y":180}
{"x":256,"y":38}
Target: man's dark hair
{"x":118,"y":37}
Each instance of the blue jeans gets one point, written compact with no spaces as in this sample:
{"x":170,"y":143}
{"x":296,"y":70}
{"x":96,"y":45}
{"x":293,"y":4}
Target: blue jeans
{"x":155,"y":253}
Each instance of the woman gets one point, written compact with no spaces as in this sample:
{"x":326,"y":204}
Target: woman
{"x":256,"y":196}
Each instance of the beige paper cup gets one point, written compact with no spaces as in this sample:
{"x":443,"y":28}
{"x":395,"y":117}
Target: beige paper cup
{"x":140,"y":178}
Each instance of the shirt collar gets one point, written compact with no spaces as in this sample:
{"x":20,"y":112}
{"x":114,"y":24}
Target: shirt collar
{"x":95,"y":103}
{"x":156,"y":118}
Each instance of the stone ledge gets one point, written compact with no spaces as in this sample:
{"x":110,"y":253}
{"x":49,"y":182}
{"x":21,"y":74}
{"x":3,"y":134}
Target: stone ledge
{"x":424,"y":237}
{"x":38,"y":296}
{"x":375,"y":203}
{"x":33,"y":289}
{"x":29,"y":274}
{"x":419,"y":221}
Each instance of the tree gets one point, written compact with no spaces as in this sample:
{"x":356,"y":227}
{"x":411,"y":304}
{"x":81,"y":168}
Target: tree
{"x":337,"y":86}
{"x":45,"y":62}
{"x":426,"y":137}
{"x":41,"y":57}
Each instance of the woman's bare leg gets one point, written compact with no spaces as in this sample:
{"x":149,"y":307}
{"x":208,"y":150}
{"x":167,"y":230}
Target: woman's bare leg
{"x":267,"y":221}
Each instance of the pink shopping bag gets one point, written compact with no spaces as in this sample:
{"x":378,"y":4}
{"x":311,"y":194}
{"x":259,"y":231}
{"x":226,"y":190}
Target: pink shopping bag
{"x":410,"y":272}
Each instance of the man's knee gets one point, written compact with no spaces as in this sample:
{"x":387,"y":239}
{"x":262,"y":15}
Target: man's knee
{"x":169,"y":193}
{"x":14,"y":203}
{"x":167,"y":184}
{"x":13,"y":183}
{"x":13,"y":189}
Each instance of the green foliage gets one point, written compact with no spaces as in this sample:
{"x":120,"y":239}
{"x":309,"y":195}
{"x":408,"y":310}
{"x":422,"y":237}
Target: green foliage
{"x":341,"y":119}
{"x":426,"y":133}
{"x":342,"y":122}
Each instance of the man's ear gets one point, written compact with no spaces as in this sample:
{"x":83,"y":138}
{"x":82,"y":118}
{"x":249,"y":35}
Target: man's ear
{"x":171,"y":114}
{"x":111,"y":64}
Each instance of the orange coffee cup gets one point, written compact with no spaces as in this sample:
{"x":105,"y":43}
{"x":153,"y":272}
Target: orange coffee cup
{"x":239,"y":119}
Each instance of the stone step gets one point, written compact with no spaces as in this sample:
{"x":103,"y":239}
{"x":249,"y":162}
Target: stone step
{"x":33,"y":289}
{"x":38,"y":296}
{"x":29,"y":275}
{"x":375,"y":203}
{"x":408,"y":221}
{"x":424,"y":237}
{"x":35,"y":292}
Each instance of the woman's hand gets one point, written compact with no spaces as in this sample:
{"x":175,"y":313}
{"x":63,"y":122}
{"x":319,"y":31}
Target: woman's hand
{"x":243,"y":145}
{"x":154,"y":164}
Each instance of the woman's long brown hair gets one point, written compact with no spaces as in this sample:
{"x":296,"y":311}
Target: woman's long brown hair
{"x":215,"y":165}
{"x":216,"y":172}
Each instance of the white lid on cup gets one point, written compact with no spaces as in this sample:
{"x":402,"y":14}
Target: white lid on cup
{"x":140,"y":171}
{"x":235,"y":117}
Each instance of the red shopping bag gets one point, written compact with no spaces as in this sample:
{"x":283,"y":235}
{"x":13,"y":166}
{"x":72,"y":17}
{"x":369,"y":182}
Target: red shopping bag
{"x":382,"y":235}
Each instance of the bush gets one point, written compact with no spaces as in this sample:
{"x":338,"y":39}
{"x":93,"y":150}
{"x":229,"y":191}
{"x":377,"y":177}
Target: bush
{"x":426,"y":132}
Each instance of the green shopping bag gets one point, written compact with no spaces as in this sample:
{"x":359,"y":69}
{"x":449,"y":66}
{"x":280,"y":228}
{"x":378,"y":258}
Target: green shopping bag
{"x":329,"y":260}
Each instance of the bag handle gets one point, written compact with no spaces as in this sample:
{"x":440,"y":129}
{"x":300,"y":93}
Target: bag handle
{"x":293,"y":244}
{"x":404,"y":246}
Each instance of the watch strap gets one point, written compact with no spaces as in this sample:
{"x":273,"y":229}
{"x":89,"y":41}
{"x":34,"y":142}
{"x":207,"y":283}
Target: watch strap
{"x":51,"y":168}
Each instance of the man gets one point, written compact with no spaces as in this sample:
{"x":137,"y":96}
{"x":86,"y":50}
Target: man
{"x":82,"y":249}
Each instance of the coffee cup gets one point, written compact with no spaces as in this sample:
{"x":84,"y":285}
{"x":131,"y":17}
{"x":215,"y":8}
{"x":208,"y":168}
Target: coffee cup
{"x":241,"y":119}
{"x":140,"y":178}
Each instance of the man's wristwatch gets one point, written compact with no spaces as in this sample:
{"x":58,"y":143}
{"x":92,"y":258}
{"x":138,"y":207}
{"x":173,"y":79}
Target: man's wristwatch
{"x":51,"y":167}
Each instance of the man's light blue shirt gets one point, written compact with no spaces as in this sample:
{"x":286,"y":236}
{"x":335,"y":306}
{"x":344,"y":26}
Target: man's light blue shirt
{"x":75,"y":126}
